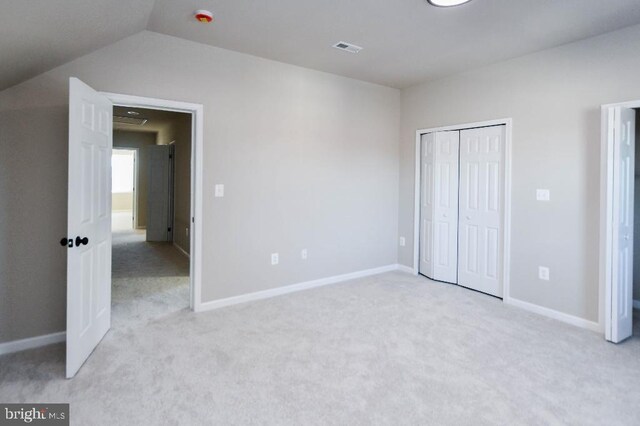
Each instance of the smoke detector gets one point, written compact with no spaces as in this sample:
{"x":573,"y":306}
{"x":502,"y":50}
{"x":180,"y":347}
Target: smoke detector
{"x":347,"y":47}
{"x":203,"y":16}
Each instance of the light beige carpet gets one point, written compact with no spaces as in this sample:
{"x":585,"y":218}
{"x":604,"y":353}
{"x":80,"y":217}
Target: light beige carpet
{"x":150,"y":280}
{"x":391,"y":349}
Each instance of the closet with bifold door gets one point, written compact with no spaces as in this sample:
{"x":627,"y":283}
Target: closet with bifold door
{"x":462,"y":207}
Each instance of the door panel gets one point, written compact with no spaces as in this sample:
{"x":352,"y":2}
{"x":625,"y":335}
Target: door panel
{"x":481,"y":198}
{"x":427,"y":144}
{"x":439,"y":206}
{"x":623,"y":184}
{"x":89,"y":204}
{"x":158,"y":198}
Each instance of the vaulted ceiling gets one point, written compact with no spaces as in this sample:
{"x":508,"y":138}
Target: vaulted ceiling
{"x":405,"y":41}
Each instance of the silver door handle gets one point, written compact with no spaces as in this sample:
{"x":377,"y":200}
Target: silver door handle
{"x":626,"y":237}
{"x":468,"y":217}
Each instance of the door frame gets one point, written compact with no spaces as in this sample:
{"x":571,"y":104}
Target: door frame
{"x":506,"y":221}
{"x":197,"y":141}
{"x":606,"y":283}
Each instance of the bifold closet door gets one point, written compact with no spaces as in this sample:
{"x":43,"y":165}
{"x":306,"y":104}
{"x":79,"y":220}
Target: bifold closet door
{"x":439,"y":206}
{"x":481,"y":200}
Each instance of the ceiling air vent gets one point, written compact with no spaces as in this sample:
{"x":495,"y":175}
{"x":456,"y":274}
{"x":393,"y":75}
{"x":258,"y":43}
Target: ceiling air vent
{"x":134,"y":121}
{"x":348,"y":47}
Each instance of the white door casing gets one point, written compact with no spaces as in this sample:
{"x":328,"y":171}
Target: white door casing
{"x":481,"y":201}
{"x":89,"y":216}
{"x":440,"y":183}
{"x":623,"y":207}
{"x":158,"y":195}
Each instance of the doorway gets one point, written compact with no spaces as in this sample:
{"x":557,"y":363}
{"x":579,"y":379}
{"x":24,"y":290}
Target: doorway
{"x":89,"y":239}
{"x":620,"y":210}
{"x":460,"y":169}
{"x":150,"y":259}
{"x":123,"y":189}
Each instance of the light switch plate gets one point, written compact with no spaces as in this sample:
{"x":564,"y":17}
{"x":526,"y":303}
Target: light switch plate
{"x":275,"y":258}
{"x":543,"y":195}
{"x":543,"y":273}
{"x":304,"y":254}
{"x":403,"y":241}
{"x":219,"y":190}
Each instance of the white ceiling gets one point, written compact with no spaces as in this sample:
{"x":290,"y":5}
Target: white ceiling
{"x":405,"y":41}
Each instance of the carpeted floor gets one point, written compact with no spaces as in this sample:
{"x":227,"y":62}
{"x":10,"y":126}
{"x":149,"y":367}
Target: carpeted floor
{"x":150,"y":280}
{"x":391,"y":349}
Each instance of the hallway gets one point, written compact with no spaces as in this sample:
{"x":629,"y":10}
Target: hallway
{"x":149,"y":280}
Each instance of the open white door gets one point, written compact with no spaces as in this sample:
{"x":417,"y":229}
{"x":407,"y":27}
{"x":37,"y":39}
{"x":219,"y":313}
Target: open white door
{"x":623,"y":193}
{"x":159,"y":193}
{"x":89,"y":222}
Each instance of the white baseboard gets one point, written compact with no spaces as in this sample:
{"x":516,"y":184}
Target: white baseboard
{"x":551,"y":313}
{"x":636,"y":304}
{"x":220,"y":303}
{"x":407,"y":269}
{"x":32,"y":342}
{"x":180,"y":249}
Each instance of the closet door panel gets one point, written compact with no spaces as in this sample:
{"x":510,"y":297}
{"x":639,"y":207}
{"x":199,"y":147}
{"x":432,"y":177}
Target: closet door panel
{"x":445,"y":217}
{"x":481,"y":199}
{"x":427,"y":161}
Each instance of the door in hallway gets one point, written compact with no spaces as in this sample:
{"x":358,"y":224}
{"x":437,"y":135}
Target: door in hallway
{"x":159,"y":202}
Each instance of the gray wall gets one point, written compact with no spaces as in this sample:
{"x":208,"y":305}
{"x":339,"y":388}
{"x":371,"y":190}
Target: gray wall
{"x":554,"y":98}
{"x":308,"y":159}
{"x":139,"y":140}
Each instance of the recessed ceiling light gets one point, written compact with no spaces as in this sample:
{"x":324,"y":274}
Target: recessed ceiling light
{"x":134,"y":113}
{"x":447,"y":3}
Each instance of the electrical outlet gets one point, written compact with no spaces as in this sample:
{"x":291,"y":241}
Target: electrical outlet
{"x":543,"y":195}
{"x":304,"y":254}
{"x":403,"y":241}
{"x":186,"y":231}
{"x":274,"y":258}
{"x":543,"y":273}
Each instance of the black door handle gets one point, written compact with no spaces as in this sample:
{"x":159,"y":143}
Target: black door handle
{"x":66,"y":242}
{"x":80,"y":241}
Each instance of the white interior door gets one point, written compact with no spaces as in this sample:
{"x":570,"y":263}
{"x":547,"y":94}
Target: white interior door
{"x":89,"y":222}
{"x":445,"y":201}
{"x":481,"y":200}
{"x":427,"y":160}
{"x":623,"y":193}
{"x":440,"y":205}
{"x":158,"y":195}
